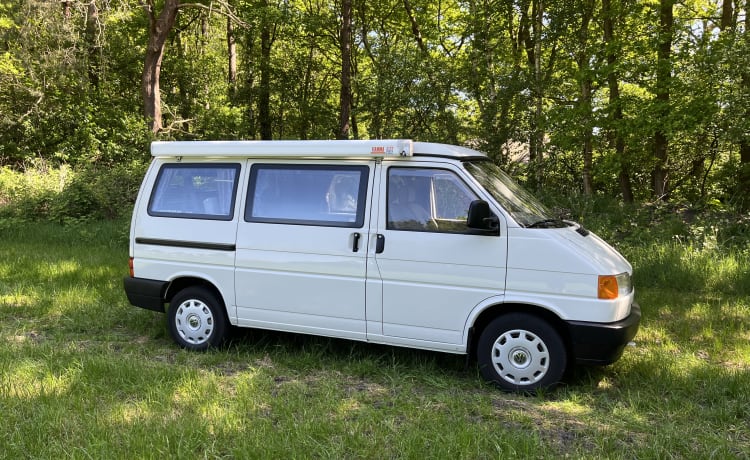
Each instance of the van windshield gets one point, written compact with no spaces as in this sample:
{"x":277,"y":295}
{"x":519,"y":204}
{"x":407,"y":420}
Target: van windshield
{"x":522,"y":206}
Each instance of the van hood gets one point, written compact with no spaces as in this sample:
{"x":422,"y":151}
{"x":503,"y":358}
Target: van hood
{"x":566,"y":250}
{"x":589,"y":244}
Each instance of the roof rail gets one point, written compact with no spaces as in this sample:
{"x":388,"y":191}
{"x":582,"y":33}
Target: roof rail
{"x":385,"y":148}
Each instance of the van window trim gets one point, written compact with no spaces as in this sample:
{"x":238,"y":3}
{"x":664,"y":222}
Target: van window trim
{"x":237,"y":167}
{"x":364,"y":171}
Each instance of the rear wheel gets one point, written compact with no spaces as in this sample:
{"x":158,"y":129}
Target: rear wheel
{"x":521,"y":352}
{"x":197,"y":319}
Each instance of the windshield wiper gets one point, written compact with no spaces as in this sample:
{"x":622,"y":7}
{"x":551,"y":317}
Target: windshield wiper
{"x":548,"y":223}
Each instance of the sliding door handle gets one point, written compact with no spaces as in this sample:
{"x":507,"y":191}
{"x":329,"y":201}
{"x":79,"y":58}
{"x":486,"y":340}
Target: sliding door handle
{"x":380,"y":244}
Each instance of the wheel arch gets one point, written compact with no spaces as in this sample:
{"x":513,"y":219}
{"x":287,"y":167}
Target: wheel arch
{"x":490,"y":313}
{"x":178,"y":284}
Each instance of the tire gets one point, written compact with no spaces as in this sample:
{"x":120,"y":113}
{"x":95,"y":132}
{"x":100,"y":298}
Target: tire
{"x":197,"y":319}
{"x":521,"y":352}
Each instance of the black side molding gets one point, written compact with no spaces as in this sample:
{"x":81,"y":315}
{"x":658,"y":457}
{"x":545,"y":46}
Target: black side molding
{"x":187,"y":244}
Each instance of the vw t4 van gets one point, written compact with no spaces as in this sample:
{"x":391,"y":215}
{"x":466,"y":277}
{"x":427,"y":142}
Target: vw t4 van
{"x":394,"y":242}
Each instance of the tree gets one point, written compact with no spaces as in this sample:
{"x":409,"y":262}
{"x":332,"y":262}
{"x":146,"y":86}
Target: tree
{"x":159,"y":26}
{"x":267,"y":37}
{"x":232,"y":59}
{"x":93,"y":43}
{"x":586,"y":84}
{"x":662,"y":108}
{"x":345,"y":95}
{"x":615,"y":104}
{"x":744,"y":175}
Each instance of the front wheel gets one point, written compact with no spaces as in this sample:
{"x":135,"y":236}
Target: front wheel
{"x":197,"y":319}
{"x":521,"y":352}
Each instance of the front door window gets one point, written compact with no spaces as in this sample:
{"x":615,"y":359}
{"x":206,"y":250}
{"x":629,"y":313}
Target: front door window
{"x":433,"y":200}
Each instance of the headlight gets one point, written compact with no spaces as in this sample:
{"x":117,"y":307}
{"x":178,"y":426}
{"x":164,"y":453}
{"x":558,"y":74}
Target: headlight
{"x":614,"y":286}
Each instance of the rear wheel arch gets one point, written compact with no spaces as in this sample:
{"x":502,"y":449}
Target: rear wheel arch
{"x":179,"y":284}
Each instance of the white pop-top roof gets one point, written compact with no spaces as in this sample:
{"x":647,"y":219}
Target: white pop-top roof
{"x":384,"y":148}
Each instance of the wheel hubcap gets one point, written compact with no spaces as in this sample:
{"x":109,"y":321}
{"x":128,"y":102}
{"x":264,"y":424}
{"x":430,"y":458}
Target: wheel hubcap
{"x":520,"y":357}
{"x":194,"y":321}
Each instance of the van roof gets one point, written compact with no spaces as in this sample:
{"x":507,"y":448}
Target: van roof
{"x":382,"y":149}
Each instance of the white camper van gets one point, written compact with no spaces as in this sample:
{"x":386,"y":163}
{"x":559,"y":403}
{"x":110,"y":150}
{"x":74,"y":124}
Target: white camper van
{"x":394,"y":242}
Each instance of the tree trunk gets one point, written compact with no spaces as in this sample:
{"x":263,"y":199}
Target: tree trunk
{"x":158,"y":31}
{"x":345,"y":97}
{"x":726,"y":14}
{"x":182,"y":80}
{"x":247,"y":87}
{"x":232,"y":61}
{"x":744,"y":179}
{"x":615,"y":105}
{"x":663,"y":82}
{"x":264,"y":94}
{"x":414,"y":26}
{"x":586,"y":94}
{"x":307,"y":81}
{"x":744,"y":176}
{"x":537,"y":130}
{"x":66,"y":7}
{"x":93,"y":44}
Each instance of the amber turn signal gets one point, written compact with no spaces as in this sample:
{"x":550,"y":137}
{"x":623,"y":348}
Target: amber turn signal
{"x":608,"y":287}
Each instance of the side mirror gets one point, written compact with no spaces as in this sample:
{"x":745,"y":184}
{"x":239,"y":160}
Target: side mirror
{"x":481,"y":219}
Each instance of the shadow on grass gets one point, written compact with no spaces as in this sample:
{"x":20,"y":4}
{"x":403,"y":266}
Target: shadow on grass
{"x":306,"y":353}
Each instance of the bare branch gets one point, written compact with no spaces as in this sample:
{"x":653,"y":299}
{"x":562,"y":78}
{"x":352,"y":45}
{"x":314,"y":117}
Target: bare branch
{"x":224,"y":9}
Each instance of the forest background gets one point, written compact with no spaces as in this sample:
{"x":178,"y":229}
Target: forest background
{"x":643,"y":101}
{"x":592,"y":103}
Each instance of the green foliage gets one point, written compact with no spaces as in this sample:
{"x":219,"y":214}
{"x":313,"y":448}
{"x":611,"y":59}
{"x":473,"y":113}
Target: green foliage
{"x":483,"y":74}
{"x":64,"y":194}
{"x":710,"y":227}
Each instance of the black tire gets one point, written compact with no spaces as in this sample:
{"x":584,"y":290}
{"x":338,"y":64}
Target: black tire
{"x":521,"y":352}
{"x":197,"y":319}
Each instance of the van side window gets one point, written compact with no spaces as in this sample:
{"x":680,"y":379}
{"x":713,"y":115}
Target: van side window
{"x":195,"y":191}
{"x":307,"y":195}
{"x":434,"y":200}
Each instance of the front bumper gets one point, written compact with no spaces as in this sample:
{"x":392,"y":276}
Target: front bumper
{"x":145,"y":293}
{"x":603,"y":343}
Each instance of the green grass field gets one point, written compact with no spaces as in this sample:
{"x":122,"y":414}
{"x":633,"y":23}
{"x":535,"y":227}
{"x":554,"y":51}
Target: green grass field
{"x":85,"y":375}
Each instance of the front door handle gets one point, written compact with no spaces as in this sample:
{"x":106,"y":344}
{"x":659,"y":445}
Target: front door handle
{"x":380,"y":244}
{"x":355,"y":245}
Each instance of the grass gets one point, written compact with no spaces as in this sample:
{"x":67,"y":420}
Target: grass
{"x":85,"y":375}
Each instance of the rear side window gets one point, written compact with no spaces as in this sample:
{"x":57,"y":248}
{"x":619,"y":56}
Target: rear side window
{"x":307,"y":195}
{"x":195,"y":191}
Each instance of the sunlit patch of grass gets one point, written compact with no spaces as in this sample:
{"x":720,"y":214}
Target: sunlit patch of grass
{"x":18,"y":300}
{"x":28,"y":379}
{"x":128,"y":413}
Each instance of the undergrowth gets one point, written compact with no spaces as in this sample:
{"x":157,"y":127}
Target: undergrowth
{"x":63,"y":194}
